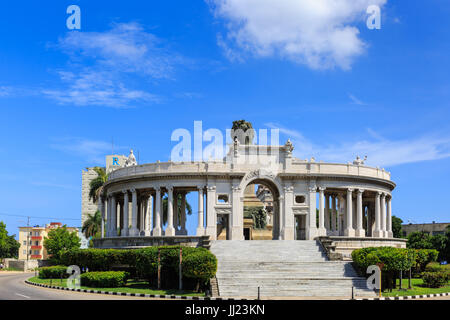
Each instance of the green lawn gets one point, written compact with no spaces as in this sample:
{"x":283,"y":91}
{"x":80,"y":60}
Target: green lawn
{"x":417,"y":289}
{"x":131,"y":287}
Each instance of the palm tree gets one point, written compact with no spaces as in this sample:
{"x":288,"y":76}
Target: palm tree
{"x":96,"y":185}
{"x":179,"y":197}
{"x":92,"y":225}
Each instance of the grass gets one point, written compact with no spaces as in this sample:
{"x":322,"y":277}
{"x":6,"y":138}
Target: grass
{"x":130,"y":287}
{"x":417,"y":289}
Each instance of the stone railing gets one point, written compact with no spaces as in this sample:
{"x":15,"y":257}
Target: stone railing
{"x":296,"y":167}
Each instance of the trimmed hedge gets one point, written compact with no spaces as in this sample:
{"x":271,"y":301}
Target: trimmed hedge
{"x":53,"y":272}
{"x":394,"y":259}
{"x":198,"y":264}
{"x":104,"y":279}
{"x":435,"y":279}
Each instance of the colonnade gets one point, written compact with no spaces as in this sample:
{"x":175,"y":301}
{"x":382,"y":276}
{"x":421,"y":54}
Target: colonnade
{"x":145,"y":210}
{"x":342,"y":213}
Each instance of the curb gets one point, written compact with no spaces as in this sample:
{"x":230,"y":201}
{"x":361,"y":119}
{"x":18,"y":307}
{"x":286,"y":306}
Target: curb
{"x":162,"y":296}
{"x":409,"y":297}
{"x":143,"y":295}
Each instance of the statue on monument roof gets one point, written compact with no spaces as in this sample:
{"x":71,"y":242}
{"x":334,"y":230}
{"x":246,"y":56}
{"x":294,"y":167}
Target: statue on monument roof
{"x":358,"y":161}
{"x":244,"y":131}
{"x":289,"y":146}
{"x":131,"y":160}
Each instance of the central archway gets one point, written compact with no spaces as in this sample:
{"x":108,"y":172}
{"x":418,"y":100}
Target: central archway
{"x":260,"y":209}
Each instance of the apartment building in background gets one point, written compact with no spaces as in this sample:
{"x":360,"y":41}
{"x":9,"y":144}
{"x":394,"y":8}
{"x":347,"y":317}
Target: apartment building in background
{"x":32,"y":240}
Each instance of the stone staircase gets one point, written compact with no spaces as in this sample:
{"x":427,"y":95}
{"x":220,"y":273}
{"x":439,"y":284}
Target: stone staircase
{"x":283,"y":269}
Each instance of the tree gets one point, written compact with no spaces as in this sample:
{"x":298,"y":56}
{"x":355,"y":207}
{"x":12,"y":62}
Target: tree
{"x":9,"y":246}
{"x":446,"y":255}
{"x":59,"y":240}
{"x":397,"y":227}
{"x":96,"y":185}
{"x":92,"y":225}
{"x":439,"y":242}
{"x":419,"y":240}
{"x":165,"y":201}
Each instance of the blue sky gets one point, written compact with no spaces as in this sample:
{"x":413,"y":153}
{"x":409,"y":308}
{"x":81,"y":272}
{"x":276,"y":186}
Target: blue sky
{"x":138,"y":70}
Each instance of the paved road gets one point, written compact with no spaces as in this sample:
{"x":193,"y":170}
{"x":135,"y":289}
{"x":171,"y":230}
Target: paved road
{"x":13,"y":287}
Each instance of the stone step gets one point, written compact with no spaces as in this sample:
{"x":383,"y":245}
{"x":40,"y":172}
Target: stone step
{"x":283,"y":268}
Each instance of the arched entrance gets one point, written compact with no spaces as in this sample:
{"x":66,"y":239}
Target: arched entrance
{"x":260,"y":210}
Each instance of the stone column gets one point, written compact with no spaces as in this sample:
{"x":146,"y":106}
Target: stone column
{"x":311,"y":227}
{"x":349,"y":231}
{"x":126,"y":220}
{"x":102,"y":211}
{"x":333,"y":213}
{"x":322,"y":231}
{"x":134,"y":213}
{"x":157,"y":231}
{"x":170,"y":230}
{"x":237,"y":232}
{"x":280,"y":216}
{"x":113,"y":216}
{"x":183,"y":230}
{"x":108,"y":216}
{"x":327,"y":213}
{"x":288,"y":216}
{"x":148,"y":214}
{"x":360,"y":232}
{"x":200,"y":227}
{"x":383,"y":215}
{"x":377,"y":233}
{"x":211,"y":217}
{"x":175,"y":211}
{"x":389,"y":218}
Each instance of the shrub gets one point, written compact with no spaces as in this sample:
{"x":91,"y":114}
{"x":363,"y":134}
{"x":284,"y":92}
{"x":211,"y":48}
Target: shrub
{"x":435,"y":279}
{"x":200,"y":265}
{"x":436,"y":267}
{"x":143,"y":263}
{"x":394,"y":259}
{"x":424,"y":257}
{"x":53,"y":272}
{"x":105,"y":279}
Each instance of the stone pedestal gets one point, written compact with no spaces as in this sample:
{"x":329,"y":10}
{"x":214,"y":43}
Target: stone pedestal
{"x":360,"y":233}
{"x":349,"y":232}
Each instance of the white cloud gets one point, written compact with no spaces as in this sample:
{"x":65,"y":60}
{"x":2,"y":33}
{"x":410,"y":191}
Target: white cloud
{"x":6,"y":91}
{"x":355,"y":100}
{"x":91,"y":151}
{"x":319,"y":33}
{"x":106,"y":66}
{"x":127,"y":47}
{"x":89,"y":87}
{"x":380,"y":151}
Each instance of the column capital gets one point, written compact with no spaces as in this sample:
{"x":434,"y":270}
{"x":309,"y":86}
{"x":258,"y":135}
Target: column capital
{"x":378,"y":193}
{"x":383,"y":194}
{"x":125,"y":191}
{"x":361,"y":191}
{"x":200,"y":188}
{"x":312,"y":189}
{"x":169,"y":188}
{"x":322,"y":189}
{"x":133,"y":190}
{"x":350,"y":190}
